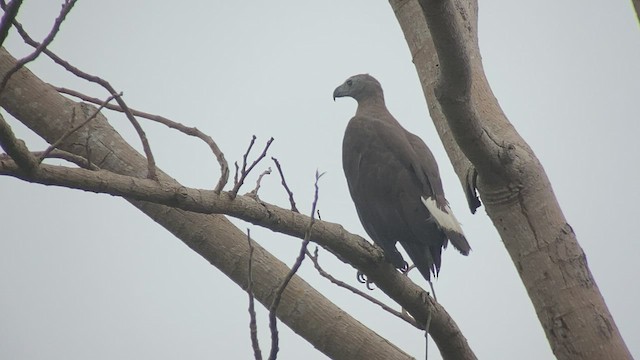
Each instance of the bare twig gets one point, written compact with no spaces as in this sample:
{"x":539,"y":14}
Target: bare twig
{"x":253,"y":328}
{"x":66,"y":8}
{"x":16,"y":148}
{"x":151,"y":163}
{"x":10,"y":12}
{"x":303,"y":250}
{"x":245,"y":171}
{"x":402,"y":315}
{"x":191,"y":131}
{"x":286,"y":187}
{"x":254,"y":192}
{"x":73,"y":158}
{"x":77,"y":127}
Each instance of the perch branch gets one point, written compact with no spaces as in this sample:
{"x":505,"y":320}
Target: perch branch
{"x":349,"y":248}
{"x":342,"y":284}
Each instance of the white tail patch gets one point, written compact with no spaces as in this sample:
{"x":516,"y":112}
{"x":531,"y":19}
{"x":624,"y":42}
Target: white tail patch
{"x":445,"y":219}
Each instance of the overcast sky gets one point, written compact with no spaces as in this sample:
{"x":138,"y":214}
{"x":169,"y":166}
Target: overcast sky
{"x":88,"y":276}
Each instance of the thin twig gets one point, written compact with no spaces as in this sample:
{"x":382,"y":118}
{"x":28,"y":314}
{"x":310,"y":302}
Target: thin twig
{"x":342,"y":284}
{"x":273,"y":325}
{"x":77,"y":127}
{"x":286,"y":187}
{"x":73,"y":158}
{"x":66,"y":8}
{"x":16,"y":148}
{"x":253,"y":327}
{"x":151,"y":163}
{"x":254,"y":192}
{"x":191,"y":131}
{"x":10,"y":12}
{"x":245,"y":171}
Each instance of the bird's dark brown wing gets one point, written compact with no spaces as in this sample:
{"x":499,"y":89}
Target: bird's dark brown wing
{"x":377,"y":160}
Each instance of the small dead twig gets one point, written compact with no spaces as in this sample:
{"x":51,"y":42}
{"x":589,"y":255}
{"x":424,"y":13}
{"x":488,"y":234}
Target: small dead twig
{"x":402,"y":315}
{"x":16,"y":149}
{"x":151,"y":163}
{"x":191,"y":131}
{"x":273,"y":325}
{"x":77,"y":127}
{"x":66,"y":8}
{"x":286,"y":187}
{"x":253,"y":327}
{"x":73,"y":158}
{"x":10,"y":12}
{"x":254,"y":192}
{"x":245,"y":171}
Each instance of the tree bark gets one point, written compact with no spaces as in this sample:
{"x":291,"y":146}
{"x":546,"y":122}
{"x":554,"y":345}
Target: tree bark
{"x":512,"y":183}
{"x":308,"y":313}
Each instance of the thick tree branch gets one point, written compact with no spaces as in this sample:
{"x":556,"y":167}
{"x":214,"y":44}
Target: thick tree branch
{"x":512,"y":183}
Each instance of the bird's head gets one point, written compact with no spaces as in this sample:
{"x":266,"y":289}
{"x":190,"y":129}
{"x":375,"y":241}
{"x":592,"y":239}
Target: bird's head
{"x":359,"y":87}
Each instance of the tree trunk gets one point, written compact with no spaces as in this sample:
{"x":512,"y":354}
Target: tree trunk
{"x":512,"y":183}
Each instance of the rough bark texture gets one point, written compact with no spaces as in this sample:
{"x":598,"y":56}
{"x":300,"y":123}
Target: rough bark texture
{"x":512,"y":183}
{"x":303,"y":309}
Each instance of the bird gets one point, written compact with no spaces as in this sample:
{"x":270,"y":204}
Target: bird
{"x":395,"y":184}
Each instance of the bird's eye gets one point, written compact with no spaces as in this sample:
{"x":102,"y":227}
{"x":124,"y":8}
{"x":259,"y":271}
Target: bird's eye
{"x":349,"y":82}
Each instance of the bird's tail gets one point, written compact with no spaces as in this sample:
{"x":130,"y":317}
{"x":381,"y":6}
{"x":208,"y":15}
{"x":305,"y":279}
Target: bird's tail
{"x":448,"y":223}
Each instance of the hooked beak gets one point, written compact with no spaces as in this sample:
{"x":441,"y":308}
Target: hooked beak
{"x":340,"y":91}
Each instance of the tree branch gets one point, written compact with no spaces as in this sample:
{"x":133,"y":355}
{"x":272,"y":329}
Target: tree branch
{"x":10,"y":13}
{"x":16,"y":148}
{"x":350,"y":248}
{"x":66,"y":8}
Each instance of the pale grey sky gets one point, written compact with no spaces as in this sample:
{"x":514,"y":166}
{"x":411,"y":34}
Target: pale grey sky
{"x":88,"y":276}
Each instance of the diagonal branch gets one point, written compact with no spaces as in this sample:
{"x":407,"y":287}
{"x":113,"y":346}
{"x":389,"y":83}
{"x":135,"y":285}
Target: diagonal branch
{"x":350,"y":248}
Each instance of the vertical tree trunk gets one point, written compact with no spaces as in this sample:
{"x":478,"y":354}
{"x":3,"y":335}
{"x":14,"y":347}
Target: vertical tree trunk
{"x":512,"y":183}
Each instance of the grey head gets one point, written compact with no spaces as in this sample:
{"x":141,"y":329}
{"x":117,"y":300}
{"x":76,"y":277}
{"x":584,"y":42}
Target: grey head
{"x":359,"y":87}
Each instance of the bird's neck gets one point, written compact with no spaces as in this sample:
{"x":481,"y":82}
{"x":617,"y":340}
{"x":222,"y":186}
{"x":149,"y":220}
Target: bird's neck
{"x":373,"y":103}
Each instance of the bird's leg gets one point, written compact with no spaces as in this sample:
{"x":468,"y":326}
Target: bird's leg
{"x":433,"y":290}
